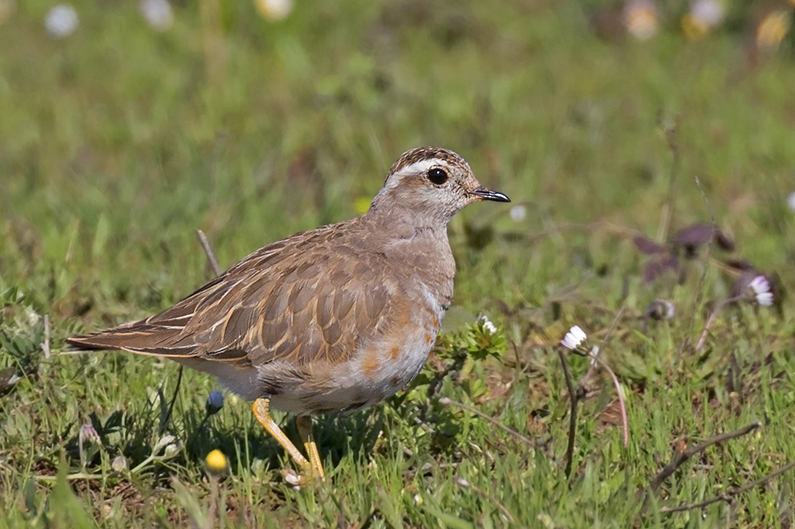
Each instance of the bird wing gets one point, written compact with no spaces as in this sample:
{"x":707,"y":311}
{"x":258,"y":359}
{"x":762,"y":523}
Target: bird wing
{"x":309,"y":297}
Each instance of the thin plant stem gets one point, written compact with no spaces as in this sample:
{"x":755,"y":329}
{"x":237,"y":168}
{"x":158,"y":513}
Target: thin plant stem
{"x":444,"y":401}
{"x":703,"y":338}
{"x":680,"y":458}
{"x":461,"y":482}
{"x":573,"y":397}
{"x":621,"y":404}
{"x":729,"y":495}
{"x":209,"y":252}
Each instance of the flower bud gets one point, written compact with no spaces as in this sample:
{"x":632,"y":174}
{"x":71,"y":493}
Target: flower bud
{"x":215,"y":401}
{"x":88,"y":435}
{"x":119,"y":464}
{"x":172,"y":450}
{"x":216,"y":462}
{"x":163,"y":442}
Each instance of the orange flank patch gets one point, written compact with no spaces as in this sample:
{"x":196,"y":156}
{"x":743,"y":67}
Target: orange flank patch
{"x":429,"y":339}
{"x":401,"y":314}
{"x":394,"y":353}
{"x":370,"y":364}
{"x":435,"y":322}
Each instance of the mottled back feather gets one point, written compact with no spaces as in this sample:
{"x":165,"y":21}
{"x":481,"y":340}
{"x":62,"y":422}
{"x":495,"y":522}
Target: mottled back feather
{"x":293,"y":300}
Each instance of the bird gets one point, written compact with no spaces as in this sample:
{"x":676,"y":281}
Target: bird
{"x":333,"y":319}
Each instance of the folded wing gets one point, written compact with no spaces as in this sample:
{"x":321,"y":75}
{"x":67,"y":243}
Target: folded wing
{"x":294,"y":300}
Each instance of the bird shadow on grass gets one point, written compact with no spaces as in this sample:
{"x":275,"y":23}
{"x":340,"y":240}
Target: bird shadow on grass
{"x":336,"y":436}
{"x":339,"y":436}
{"x":391,"y":427}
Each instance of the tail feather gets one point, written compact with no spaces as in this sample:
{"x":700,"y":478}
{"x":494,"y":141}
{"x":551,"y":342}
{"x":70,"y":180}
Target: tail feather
{"x":140,"y":337}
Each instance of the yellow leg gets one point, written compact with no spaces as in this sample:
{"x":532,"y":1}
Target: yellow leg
{"x":262,"y":413}
{"x":304,"y":424}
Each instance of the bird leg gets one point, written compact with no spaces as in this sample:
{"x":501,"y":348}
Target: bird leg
{"x":262,"y":413}
{"x":304,"y":424}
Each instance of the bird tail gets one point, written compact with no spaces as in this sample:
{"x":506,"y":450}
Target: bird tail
{"x":136,"y":337}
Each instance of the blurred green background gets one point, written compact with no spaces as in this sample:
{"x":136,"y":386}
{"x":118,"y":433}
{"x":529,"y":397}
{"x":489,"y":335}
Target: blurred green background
{"x":118,"y":140}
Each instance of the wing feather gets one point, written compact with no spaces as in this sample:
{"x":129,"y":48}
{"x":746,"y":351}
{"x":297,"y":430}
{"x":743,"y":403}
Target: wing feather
{"x":308,"y":297}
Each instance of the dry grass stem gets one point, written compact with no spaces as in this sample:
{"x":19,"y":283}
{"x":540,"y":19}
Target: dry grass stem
{"x":729,"y":495}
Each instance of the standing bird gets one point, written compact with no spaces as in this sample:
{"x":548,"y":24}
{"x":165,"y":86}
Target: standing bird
{"x":332,"y":319}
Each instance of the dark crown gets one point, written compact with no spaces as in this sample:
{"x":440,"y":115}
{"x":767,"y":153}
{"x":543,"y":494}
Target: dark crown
{"x":425,"y":153}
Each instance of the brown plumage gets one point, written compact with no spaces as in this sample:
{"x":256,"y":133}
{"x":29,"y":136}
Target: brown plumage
{"x":335,"y":318}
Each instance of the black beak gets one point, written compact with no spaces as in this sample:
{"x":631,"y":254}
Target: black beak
{"x":488,"y":194}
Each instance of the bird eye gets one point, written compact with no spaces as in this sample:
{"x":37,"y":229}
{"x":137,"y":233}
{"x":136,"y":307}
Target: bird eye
{"x":437,"y":176}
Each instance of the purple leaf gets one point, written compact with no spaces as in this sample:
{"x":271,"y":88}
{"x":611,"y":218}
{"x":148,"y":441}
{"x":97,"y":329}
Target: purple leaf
{"x":694,"y":235}
{"x":690,"y":238}
{"x":648,"y":246}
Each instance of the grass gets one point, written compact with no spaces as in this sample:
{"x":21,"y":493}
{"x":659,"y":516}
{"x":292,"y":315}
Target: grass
{"x":116,"y":144}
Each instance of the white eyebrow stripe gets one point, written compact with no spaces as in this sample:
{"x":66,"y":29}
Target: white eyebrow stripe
{"x":421,"y":166}
{"x":414,"y":168}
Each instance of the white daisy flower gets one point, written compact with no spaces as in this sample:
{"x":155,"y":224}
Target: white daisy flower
{"x":487,"y":324}
{"x":518,"y":213}
{"x":157,"y":13}
{"x":61,"y":21}
{"x":574,"y":338}
{"x":762,"y":291}
{"x":708,"y":12}
{"x":670,"y":309}
{"x":640,"y":17}
{"x":274,"y":9}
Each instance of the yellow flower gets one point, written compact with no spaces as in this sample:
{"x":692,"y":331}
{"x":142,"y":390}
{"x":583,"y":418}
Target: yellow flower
{"x":216,"y":462}
{"x":362,"y":204}
{"x":693,"y":28}
{"x":773,"y":28}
